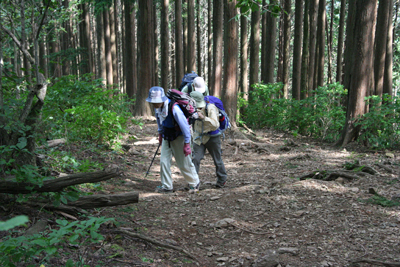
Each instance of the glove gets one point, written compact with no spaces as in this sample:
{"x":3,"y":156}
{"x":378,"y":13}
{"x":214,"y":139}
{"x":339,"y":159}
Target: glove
{"x":186,"y":149}
{"x":160,"y":139}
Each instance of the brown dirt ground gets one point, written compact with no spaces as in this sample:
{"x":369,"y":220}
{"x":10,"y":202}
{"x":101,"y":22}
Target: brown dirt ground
{"x":273,"y":217}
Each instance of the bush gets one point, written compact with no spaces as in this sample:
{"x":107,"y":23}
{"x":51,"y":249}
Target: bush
{"x":23,"y":249}
{"x":320,"y":115}
{"x":380,"y":126}
{"x":80,"y":109}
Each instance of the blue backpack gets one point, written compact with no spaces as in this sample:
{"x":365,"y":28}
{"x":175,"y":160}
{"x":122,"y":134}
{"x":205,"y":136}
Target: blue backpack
{"x":188,"y":79}
{"x":224,"y":122}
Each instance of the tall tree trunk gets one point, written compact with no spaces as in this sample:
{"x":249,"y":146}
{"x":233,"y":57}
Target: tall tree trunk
{"x":329,"y":37}
{"x":313,"y":38}
{"x":145,"y":51}
{"x":388,"y":76}
{"x":43,"y":57}
{"x":179,"y":58}
{"x":362,"y":53}
{"x":305,"y":55}
{"x":339,"y":64}
{"x":380,"y":45}
{"x":113,"y":43}
{"x":107,"y":41}
{"x":198,"y":32}
{"x":244,"y":67}
{"x":348,"y":51}
{"x":209,"y":43}
{"x":129,"y":59}
{"x":191,"y":38}
{"x":84,"y":31}
{"x":286,"y":45}
{"x":320,"y":60}
{"x":254,"y":48}
{"x":217,"y":48}
{"x":156,"y":54}
{"x":164,"y":44}
{"x":264,"y":38}
{"x":65,"y":43}
{"x":101,"y":50}
{"x":229,"y":95}
{"x":298,"y":34}
{"x":270,"y":49}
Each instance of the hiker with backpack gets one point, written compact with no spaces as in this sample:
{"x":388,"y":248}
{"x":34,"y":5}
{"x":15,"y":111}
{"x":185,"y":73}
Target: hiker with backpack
{"x":174,"y":137}
{"x":207,"y":135}
{"x":197,"y":84}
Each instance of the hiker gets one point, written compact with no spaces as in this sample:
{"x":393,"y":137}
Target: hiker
{"x":206,"y":135}
{"x":174,"y":138}
{"x":198,"y":85}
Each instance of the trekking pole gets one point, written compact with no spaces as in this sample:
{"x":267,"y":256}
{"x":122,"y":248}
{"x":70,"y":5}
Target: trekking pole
{"x":152,"y":160}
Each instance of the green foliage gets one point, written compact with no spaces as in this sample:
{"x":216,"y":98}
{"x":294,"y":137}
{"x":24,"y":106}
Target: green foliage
{"x":320,"y":116}
{"x":22,"y":249}
{"x":14,"y":222}
{"x":80,"y":109}
{"x":382,"y":201}
{"x":380,"y":126}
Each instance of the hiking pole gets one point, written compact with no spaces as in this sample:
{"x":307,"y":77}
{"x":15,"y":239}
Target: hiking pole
{"x":152,"y":160}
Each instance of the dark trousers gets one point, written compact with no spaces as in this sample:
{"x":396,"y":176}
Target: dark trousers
{"x":213,"y":147}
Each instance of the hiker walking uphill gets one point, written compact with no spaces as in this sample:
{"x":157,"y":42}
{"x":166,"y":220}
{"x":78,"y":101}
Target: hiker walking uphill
{"x":174,"y":138}
{"x":198,"y":85}
{"x":206,"y":135}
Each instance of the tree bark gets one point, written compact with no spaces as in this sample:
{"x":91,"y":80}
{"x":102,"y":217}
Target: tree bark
{"x":270,"y":49}
{"x":198,"y":39}
{"x":164,"y":44}
{"x":179,"y":66}
{"x":244,"y":67}
{"x":312,"y":44}
{"x":191,"y":41}
{"x":380,"y":45}
{"x":362,"y":53}
{"x":339,"y":64}
{"x":209,"y":42}
{"x":218,"y":9}
{"x":286,"y":45}
{"x":298,"y":34}
{"x":231,"y":54}
{"x":57,"y":184}
{"x":101,"y":200}
{"x":108,"y":54}
{"x":388,"y":76}
{"x":129,"y":59}
{"x":254,"y":48}
{"x":320,"y":60}
{"x":145,"y":57}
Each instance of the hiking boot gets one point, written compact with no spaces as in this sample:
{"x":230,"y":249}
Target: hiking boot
{"x":220,"y":185}
{"x":194,"y":189}
{"x":160,"y":189}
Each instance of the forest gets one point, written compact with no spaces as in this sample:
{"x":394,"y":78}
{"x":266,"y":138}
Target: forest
{"x":311,"y":90}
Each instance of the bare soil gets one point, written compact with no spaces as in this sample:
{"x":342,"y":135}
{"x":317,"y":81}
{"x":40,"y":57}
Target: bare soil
{"x":265,"y":216}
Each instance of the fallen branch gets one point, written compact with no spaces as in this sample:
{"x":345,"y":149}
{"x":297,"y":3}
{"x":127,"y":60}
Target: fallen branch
{"x":57,"y":184}
{"x":101,"y":200}
{"x":155,"y":242}
{"x":376,"y":262}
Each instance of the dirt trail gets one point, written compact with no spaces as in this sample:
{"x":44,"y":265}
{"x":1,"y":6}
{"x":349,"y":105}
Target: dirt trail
{"x":265,"y":215}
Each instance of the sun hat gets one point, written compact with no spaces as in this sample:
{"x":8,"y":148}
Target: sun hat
{"x":199,"y":98}
{"x":156,"y":95}
{"x":199,"y":85}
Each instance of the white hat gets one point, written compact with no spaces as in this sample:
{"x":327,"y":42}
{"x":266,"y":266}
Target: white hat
{"x":199,"y":85}
{"x":156,"y":95}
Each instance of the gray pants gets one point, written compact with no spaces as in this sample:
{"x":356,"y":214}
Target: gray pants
{"x":213,"y":147}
